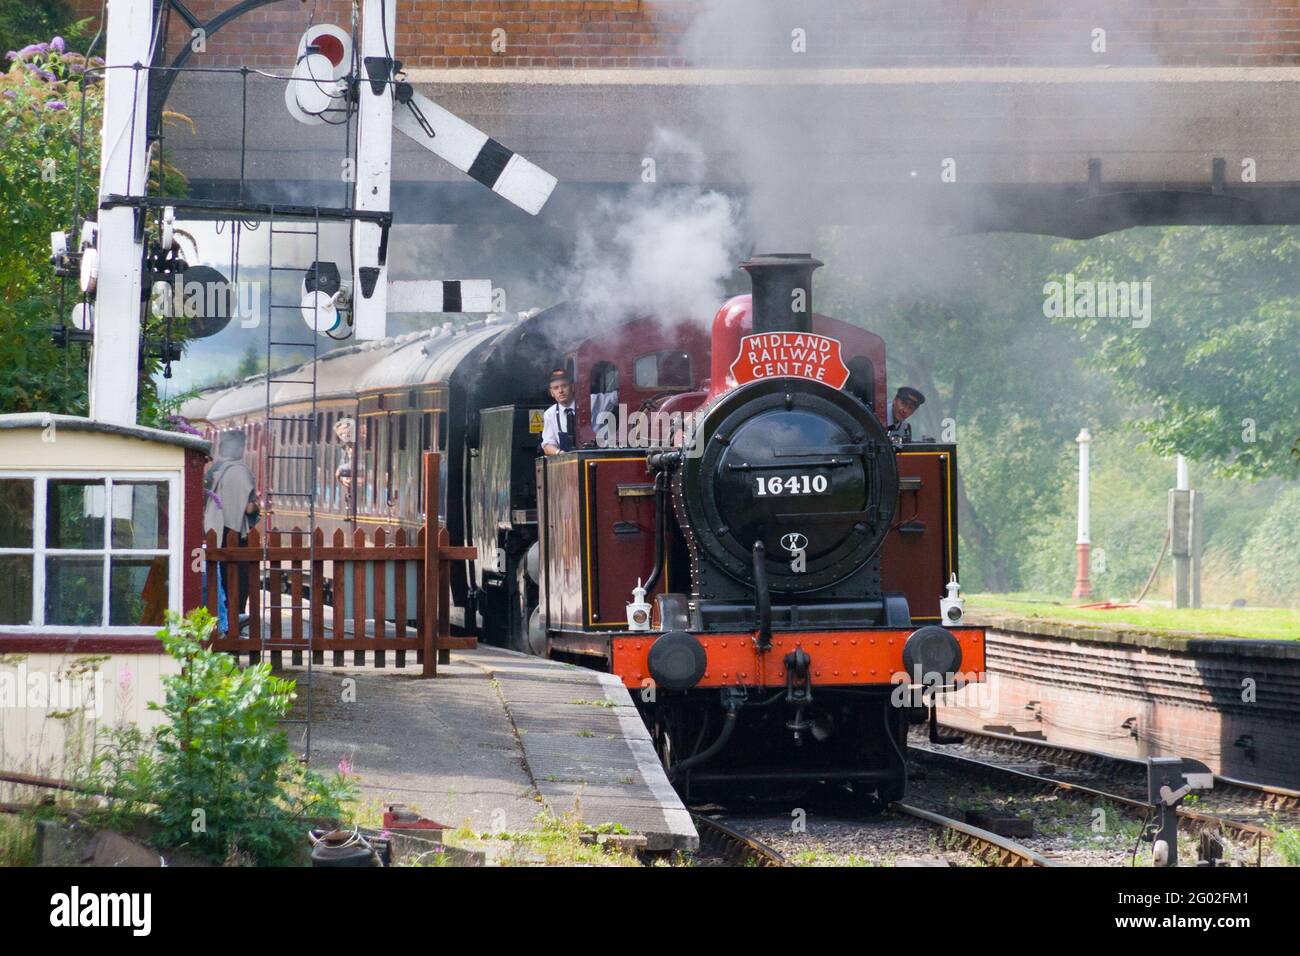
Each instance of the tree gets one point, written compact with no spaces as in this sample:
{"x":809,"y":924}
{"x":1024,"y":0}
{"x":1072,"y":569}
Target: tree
{"x":963,"y":322}
{"x":40,"y":114}
{"x":43,"y":173}
{"x":1217,"y":364}
{"x":22,"y":21}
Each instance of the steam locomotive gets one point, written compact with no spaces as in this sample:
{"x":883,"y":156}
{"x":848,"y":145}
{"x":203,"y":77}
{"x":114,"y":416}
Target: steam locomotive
{"x":737,"y":536}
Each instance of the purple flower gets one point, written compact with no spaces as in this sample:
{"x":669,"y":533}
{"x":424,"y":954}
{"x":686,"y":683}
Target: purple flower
{"x":11,"y":55}
{"x":30,"y":50}
{"x":345,"y":766}
{"x":10,"y":95}
{"x":43,"y":47}
{"x":56,"y":105}
{"x":46,"y":75}
{"x":57,"y":45}
{"x":77,"y":68}
{"x":179,"y":423}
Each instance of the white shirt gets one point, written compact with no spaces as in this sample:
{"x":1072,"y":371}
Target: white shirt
{"x":553,"y":423}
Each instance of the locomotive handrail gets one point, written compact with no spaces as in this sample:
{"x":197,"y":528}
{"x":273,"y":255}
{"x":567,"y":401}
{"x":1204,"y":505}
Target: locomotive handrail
{"x":747,"y":466}
{"x":823,"y":517}
{"x":762,"y":597}
{"x":857,"y":448}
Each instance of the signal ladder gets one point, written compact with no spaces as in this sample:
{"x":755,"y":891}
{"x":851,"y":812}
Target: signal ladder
{"x":282,"y":335}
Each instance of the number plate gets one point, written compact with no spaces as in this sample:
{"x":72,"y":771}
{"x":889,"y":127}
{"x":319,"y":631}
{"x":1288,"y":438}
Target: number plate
{"x":772,"y":486}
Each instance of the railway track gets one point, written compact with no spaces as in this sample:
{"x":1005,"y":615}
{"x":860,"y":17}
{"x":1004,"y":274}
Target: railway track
{"x":740,"y":849}
{"x":988,"y":847}
{"x":1250,"y":812}
{"x":735,"y":847}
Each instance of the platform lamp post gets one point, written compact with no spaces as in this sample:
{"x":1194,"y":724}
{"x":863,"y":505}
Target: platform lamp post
{"x":1082,"y":585}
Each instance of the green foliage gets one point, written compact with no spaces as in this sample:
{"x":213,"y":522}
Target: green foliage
{"x":962,"y":318}
{"x":1217,"y":365}
{"x":1129,"y":493}
{"x":225,"y":780}
{"x":17,"y":840}
{"x":1287,"y":846}
{"x":963,"y":321}
{"x":124,"y":769}
{"x":1129,"y":506}
{"x":40,"y":115}
{"x":251,"y":363}
{"x":165,"y":413}
{"x":25,"y":21}
{"x":42,"y":177}
{"x":1273,"y":551}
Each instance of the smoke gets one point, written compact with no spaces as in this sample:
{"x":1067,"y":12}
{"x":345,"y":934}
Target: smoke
{"x":660,"y":250}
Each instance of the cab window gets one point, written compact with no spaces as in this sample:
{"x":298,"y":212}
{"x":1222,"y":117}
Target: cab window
{"x":604,"y":399}
{"x":670,"y":368}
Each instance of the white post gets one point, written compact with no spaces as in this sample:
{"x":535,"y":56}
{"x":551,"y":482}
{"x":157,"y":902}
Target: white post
{"x":1083,"y":544}
{"x":123,"y":166}
{"x":374,"y":171}
{"x":1185,"y":538}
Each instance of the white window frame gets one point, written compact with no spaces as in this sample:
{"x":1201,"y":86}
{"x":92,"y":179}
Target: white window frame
{"x":38,"y":553}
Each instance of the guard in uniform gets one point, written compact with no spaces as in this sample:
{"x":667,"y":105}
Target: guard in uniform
{"x":560,"y":422}
{"x":904,"y":405}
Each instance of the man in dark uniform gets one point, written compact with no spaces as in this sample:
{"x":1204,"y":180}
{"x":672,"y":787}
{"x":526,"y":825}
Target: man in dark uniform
{"x":904,"y":405}
{"x":560,"y":421}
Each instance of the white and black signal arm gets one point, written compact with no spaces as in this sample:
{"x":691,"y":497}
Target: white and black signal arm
{"x":444,"y":134}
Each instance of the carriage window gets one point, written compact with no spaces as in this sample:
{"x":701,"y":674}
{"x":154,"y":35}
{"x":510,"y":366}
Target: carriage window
{"x":667,"y":369}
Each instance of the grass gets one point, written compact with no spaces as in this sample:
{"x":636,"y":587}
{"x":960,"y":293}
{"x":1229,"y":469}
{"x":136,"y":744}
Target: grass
{"x":1278,"y":623}
{"x":17,"y":840}
{"x":820,"y":857}
{"x":1287,"y":847}
{"x":556,"y":841}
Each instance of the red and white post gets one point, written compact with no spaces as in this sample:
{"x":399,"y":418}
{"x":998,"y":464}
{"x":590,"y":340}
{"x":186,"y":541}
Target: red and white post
{"x":1083,"y":546}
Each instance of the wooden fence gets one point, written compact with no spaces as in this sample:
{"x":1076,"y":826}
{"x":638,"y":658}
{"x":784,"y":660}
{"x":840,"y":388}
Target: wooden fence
{"x":391,"y":608}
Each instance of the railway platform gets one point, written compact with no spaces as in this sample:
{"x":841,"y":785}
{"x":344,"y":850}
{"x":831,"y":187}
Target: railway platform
{"x":495,"y":742}
{"x":1232,"y":703}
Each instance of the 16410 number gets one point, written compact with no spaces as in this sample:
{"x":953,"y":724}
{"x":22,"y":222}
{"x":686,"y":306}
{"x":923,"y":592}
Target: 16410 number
{"x":772,"y":485}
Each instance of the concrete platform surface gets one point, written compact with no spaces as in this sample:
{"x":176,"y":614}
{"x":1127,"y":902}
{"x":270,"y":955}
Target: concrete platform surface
{"x":494,"y":739}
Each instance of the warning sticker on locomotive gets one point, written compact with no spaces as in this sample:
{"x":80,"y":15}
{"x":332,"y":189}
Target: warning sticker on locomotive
{"x":797,"y":354}
{"x":535,"y":422}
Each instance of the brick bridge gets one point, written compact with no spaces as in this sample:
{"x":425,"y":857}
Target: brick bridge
{"x":1049,"y":119}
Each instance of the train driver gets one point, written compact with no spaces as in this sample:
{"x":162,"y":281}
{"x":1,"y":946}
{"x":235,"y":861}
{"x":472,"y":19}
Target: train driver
{"x":904,"y":405}
{"x":560,"y":421}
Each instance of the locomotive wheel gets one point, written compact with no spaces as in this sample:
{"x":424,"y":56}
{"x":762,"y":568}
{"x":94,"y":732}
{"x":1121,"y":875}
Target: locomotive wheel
{"x":521,"y":610}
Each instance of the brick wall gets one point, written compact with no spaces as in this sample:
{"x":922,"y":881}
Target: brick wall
{"x":843,"y":33}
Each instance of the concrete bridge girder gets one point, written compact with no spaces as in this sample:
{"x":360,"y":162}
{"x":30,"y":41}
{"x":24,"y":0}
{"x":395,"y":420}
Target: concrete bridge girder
{"x":861,"y":143}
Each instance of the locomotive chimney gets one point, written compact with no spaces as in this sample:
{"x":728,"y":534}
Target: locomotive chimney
{"x":782,"y":291}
